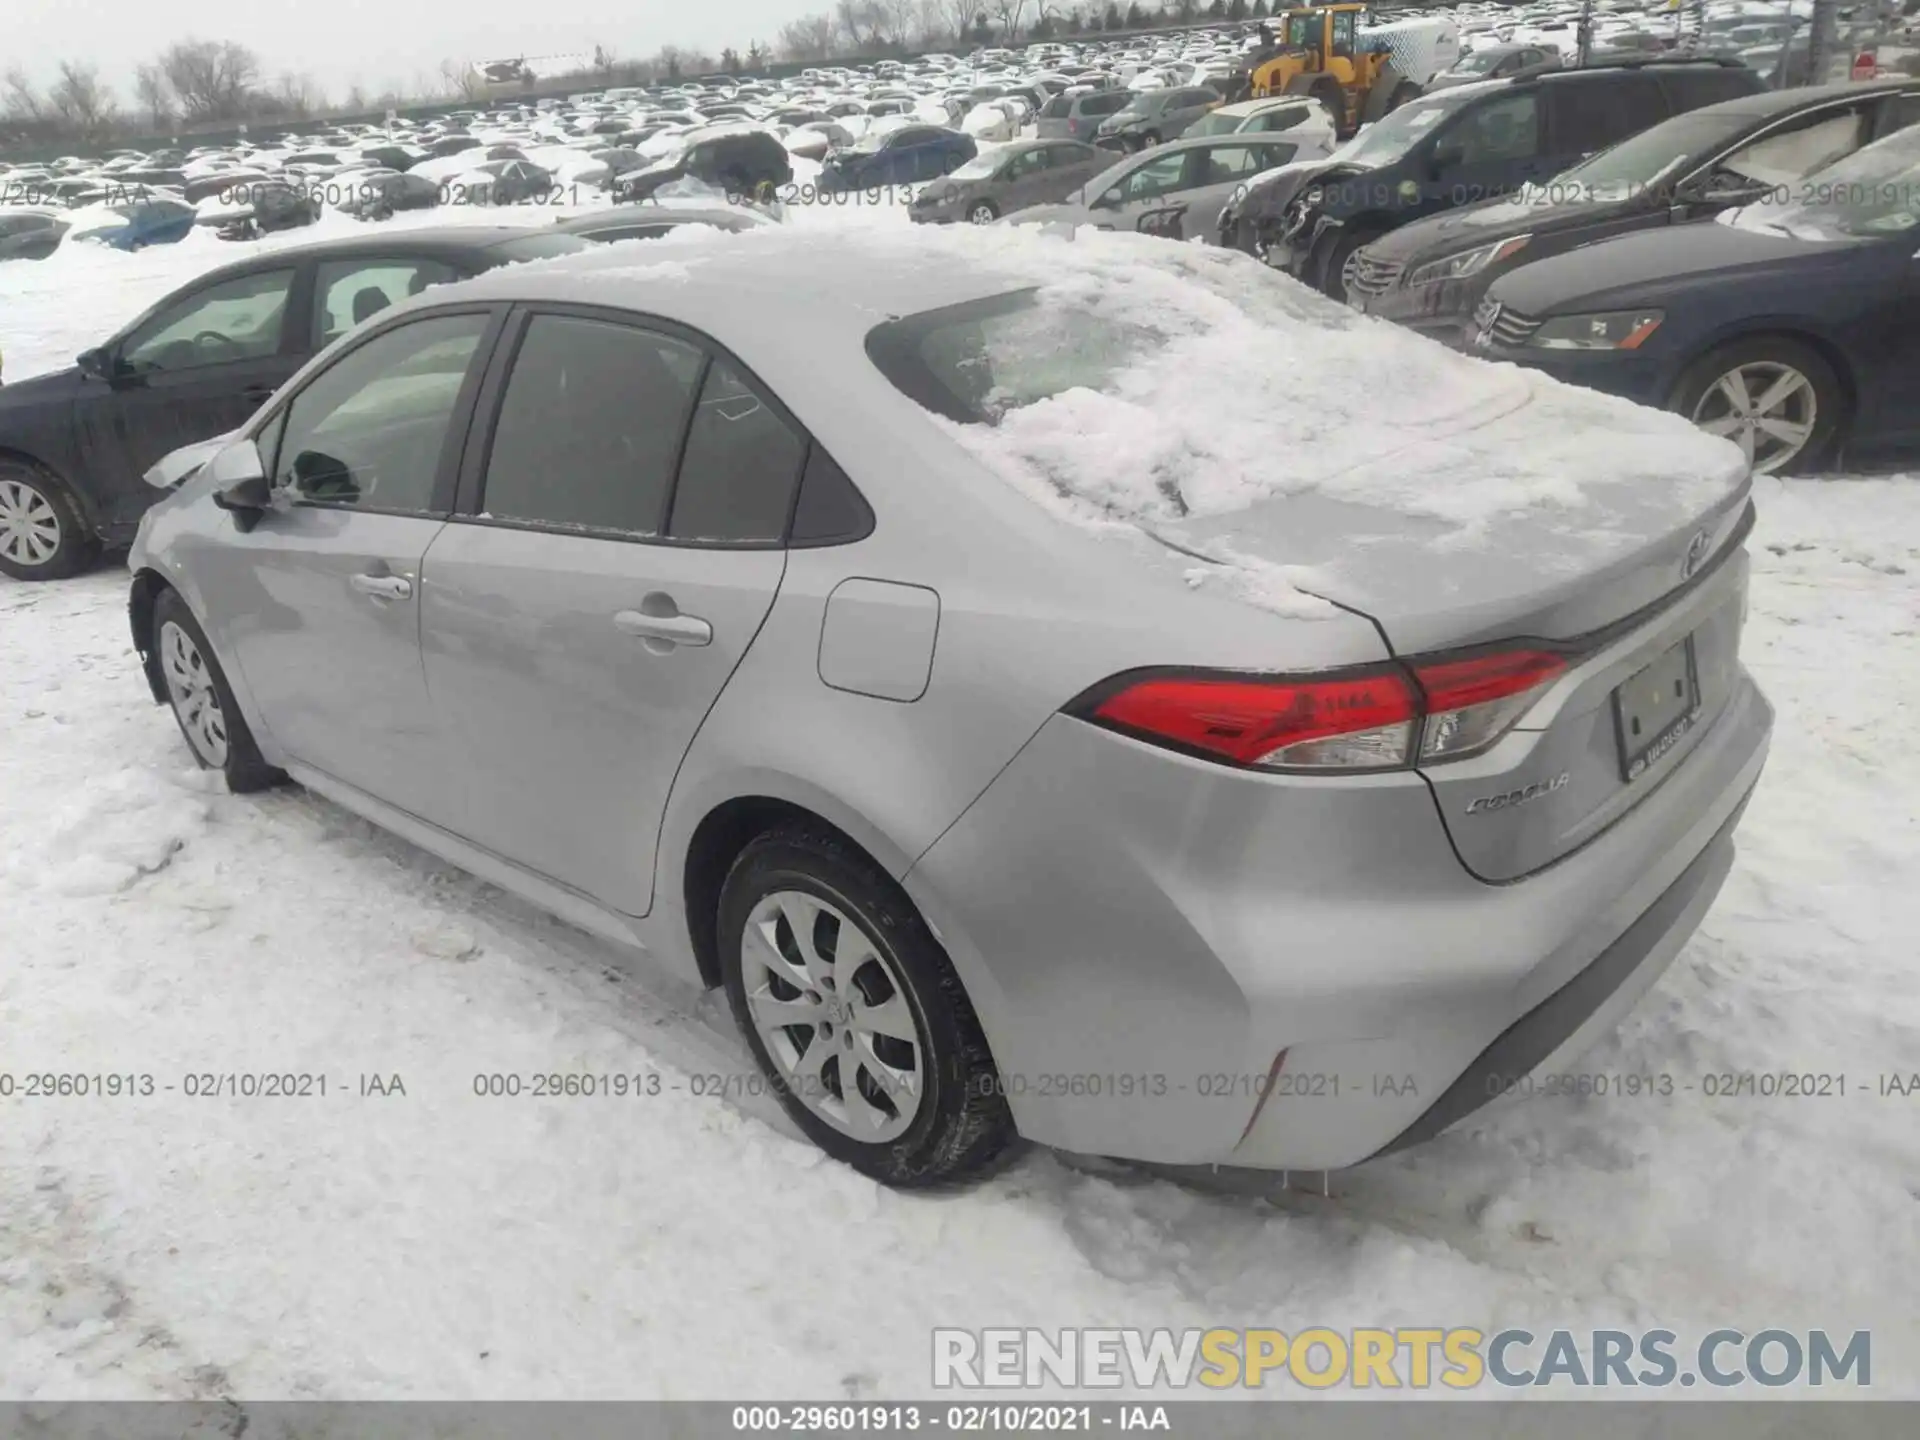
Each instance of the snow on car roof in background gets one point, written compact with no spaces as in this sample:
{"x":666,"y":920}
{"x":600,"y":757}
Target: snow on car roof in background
{"x":1229,"y":384}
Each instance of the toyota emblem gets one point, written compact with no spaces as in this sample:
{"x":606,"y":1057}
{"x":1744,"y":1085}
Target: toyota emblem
{"x":1696,"y":554}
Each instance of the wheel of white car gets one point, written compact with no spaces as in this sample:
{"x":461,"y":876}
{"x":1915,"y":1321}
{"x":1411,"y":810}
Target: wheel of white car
{"x":855,"y":1014}
{"x":42,"y":533}
{"x":202,"y":701}
{"x":1775,"y":398}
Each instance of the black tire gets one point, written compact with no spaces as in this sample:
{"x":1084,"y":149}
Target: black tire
{"x":963,"y":1123}
{"x":245,"y":771}
{"x":983,"y":212}
{"x":1329,"y":270}
{"x":38,"y":497}
{"x":1830,"y":396}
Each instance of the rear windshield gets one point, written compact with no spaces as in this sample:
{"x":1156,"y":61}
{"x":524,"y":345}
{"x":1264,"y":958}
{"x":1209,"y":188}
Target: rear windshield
{"x":975,"y":362}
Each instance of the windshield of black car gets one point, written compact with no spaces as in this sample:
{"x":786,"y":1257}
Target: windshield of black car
{"x":1647,"y":159}
{"x":1385,"y":141}
{"x":1873,"y":193}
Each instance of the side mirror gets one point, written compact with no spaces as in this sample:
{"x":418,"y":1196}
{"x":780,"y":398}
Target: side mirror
{"x":1108,"y":200}
{"x":95,"y":364}
{"x":1445,"y":156}
{"x":240,"y":484}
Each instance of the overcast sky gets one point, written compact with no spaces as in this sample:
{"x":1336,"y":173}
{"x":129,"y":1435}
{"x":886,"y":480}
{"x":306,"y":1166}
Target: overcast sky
{"x":374,"y":43}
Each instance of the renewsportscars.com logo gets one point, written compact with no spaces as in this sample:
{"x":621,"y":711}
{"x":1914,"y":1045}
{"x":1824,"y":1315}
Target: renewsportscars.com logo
{"x":1398,"y":1359}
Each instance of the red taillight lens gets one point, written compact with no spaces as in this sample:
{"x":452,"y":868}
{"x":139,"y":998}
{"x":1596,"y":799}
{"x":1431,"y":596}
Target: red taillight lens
{"x":1357,"y":720}
{"x":1471,"y":703}
{"x":1349,"y":721}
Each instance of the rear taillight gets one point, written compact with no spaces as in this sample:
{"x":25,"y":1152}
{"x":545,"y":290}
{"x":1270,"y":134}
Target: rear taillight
{"x":1471,"y":703}
{"x":1351,"y":721}
{"x":1384,"y":718}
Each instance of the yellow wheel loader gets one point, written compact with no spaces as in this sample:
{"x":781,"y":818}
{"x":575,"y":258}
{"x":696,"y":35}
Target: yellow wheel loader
{"x":1319,"y":52}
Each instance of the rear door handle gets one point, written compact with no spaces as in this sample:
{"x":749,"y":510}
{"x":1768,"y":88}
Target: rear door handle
{"x":383,"y":587}
{"x":673,"y":629}
{"x":256,"y":394}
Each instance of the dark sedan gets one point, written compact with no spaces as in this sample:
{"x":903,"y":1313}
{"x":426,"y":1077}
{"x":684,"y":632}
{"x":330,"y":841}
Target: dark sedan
{"x":1010,"y":178}
{"x":904,"y":156}
{"x":74,"y":444}
{"x":1432,"y":274}
{"x":30,"y":234}
{"x":1792,"y":327}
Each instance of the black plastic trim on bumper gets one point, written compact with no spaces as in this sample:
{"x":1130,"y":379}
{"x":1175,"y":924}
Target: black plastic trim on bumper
{"x":1523,"y":1045}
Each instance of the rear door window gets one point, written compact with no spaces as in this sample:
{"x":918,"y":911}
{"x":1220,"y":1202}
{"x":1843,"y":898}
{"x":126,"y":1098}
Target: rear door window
{"x":590,"y":426}
{"x":1592,"y":112}
{"x":1689,"y":89}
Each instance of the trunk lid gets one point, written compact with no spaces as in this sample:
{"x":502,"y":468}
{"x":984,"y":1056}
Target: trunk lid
{"x":1643,"y":560}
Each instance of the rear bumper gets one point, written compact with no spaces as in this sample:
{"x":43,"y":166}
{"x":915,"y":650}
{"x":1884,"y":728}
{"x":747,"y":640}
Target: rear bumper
{"x":1183,"y":964}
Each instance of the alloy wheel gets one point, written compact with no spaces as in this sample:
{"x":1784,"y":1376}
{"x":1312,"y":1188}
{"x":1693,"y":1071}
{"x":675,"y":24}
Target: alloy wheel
{"x":832,"y":1011}
{"x":191,"y":690}
{"x":982,"y":215}
{"x":1767,"y":408}
{"x":29,"y":525}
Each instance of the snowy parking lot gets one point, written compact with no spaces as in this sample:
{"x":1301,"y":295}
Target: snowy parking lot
{"x":401,"y":1235}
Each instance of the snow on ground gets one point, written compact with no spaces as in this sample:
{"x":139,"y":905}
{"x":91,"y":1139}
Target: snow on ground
{"x":443,"y":1244}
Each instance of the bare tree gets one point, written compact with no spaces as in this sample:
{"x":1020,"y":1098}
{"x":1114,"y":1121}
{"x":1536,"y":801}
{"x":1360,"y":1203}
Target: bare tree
{"x":297,"y":95}
{"x":357,"y":102}
{"x":603,"y":62}
{"x":809,"y":38}
{"x":79,"y":100}
{"x":1008,"y":13}
{"x":18,"y":99}
{"x":904,"y":22}
{"x":964,"y":15}
{"x":212,"y":79}
{"x":152,"y":94}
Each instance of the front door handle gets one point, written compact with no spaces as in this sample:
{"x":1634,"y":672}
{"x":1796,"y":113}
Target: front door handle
{"x":383,"y":587}
{"x":257,"y":394}
{"x":671,"y":629}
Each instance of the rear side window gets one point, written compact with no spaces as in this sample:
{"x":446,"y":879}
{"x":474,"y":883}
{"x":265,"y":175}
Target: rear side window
{"x":1108,"y":104}
{"x":1057,"y":109}
{"x":1592,"y":112}
{"x":590,"y":426}
{"x":1690,"y":89}
{"x":742,"y":461}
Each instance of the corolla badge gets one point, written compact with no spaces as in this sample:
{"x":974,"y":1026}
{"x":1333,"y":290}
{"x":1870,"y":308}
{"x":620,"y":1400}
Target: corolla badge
{"x":1513,"y":799}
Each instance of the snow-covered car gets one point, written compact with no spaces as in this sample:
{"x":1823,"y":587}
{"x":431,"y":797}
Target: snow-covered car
{"x":132,"y":225}
{"x":1416,"y":753}
{"x":30,"y":234}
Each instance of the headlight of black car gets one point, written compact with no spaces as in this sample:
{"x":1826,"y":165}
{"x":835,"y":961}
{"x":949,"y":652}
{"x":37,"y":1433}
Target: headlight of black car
{"x":1603,"y":330}
{"x":1467,"y":262}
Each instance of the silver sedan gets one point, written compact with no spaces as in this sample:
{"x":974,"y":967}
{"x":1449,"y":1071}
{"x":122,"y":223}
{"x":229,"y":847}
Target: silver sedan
{"x":945,"y":642}
{"x":1196,"y":178}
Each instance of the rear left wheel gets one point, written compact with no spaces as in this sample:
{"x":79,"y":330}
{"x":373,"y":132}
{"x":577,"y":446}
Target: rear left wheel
{"x":855,"y":1014}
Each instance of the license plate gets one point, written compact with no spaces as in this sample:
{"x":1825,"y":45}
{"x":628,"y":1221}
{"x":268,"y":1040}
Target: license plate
{"x":1655,"y":708}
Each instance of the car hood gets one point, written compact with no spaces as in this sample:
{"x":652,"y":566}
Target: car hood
{"x":39,"y":390}
{"x":1636,"y":269}
{"x":1490,"y":220}
{"x":1273,"y":190}
{"x":176,"y":465}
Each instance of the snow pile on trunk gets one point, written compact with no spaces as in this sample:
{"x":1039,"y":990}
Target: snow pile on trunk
{"x":1216,"y":384}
